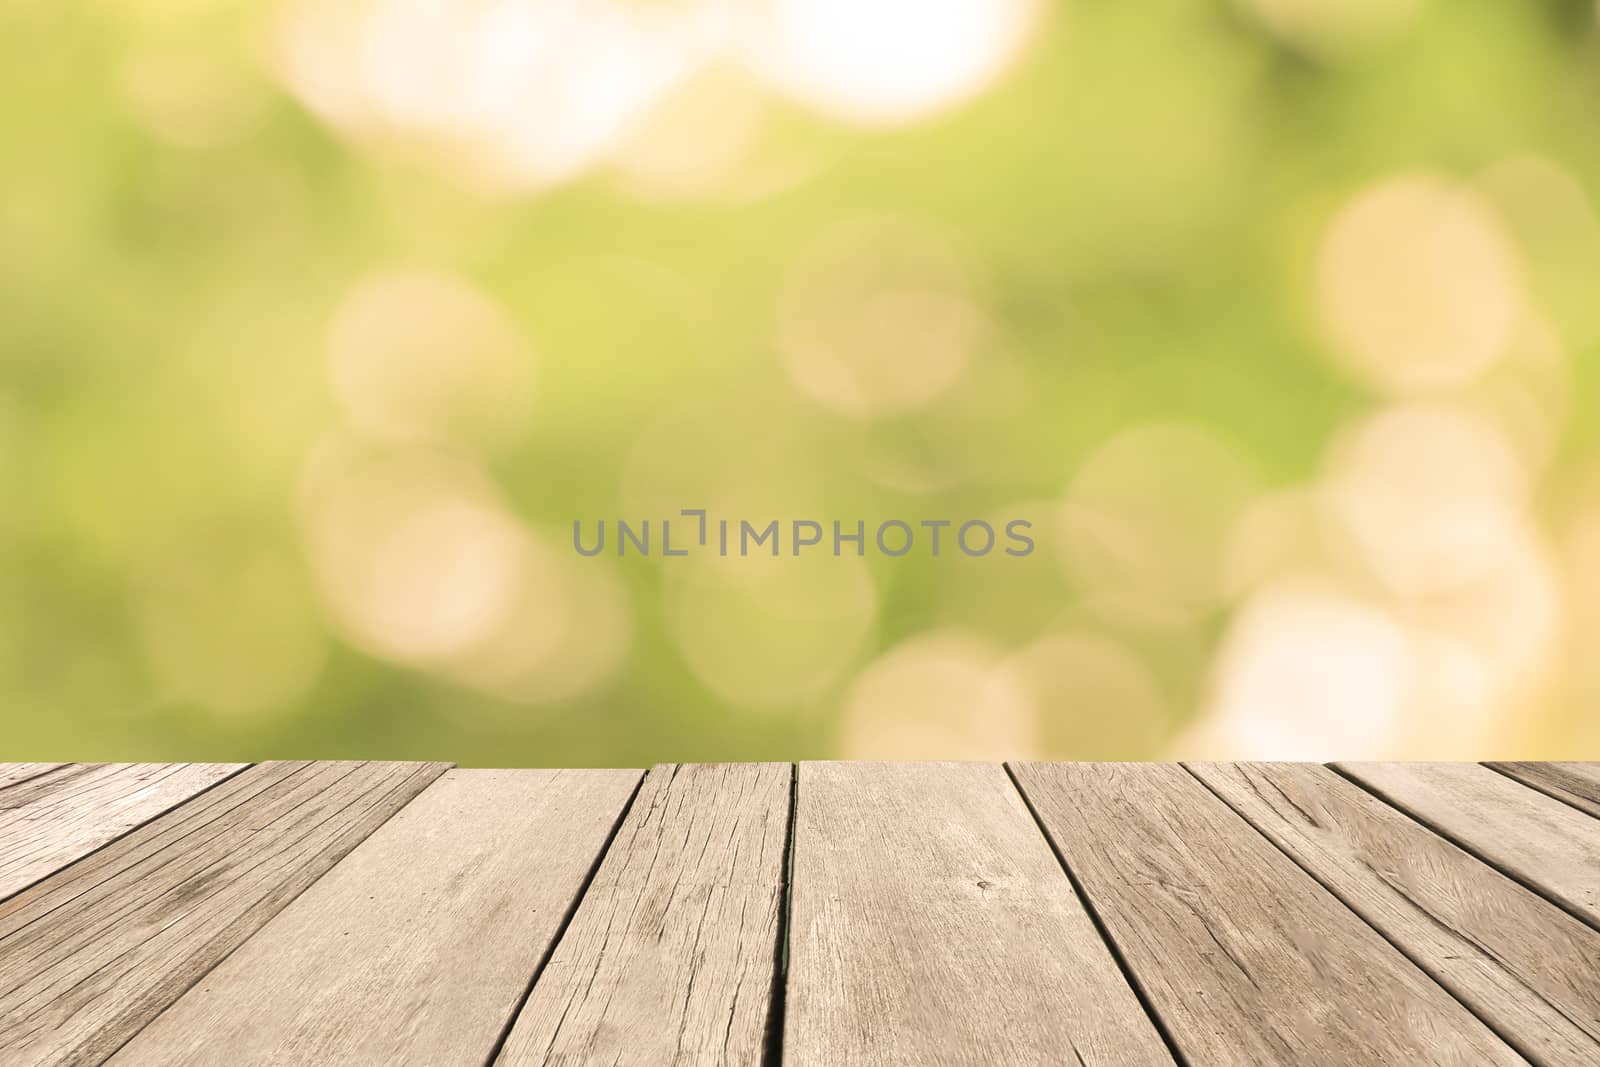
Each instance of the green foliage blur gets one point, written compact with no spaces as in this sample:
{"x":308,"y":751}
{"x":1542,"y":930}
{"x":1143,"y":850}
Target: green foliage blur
{"x":1135,"y":202}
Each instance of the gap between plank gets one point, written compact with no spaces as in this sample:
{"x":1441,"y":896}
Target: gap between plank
{"x":203,"y":975}
{"x":1547,"y":791}
{"x":1334,"y":893}
{"x":107,"y":844}
{"x":772,"y":1053}
{"x":1100,"y":926}
{"x":566,"y":921}
{"x":1526,"y":883}
{"x":49,"y":768}
{"x":173,"y":847}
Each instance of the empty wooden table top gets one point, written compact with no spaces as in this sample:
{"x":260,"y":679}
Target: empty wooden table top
{"x":815,"y":914}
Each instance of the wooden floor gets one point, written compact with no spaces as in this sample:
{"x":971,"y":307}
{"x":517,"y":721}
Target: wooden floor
{"x":825,"y":914}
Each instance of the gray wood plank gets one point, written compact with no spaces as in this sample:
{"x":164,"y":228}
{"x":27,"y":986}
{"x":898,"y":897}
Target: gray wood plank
{"x":417,"y":946}
{"x":1544,"y":843}
{"x":1520,"y":963}
{"x":671,"y":956}
{"x":49,"y":820}
{"x":931,"y":924}
{"x":1577,"y":784}
{"x":12,"y":773}
{"x":94,"y":952}
{"x":1246,"y":959}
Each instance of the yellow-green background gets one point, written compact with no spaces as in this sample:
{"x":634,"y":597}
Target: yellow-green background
{"x":1136,"y":203}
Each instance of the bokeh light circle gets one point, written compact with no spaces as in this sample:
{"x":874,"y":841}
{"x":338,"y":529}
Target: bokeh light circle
{"x":1308,"y":671}
{"x":1147,"y":522}
{"x":889,"y":61}
{"x":415,"y":354}
{"x":764,"y":632}
{"x":1431,"y":496}
{"x":878,"y":317}
{"x":1092,"y":697}
{"x":1417,"y":285}
{"x":939,"y":695}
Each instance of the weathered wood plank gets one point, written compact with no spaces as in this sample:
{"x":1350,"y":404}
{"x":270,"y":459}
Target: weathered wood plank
{"x":49,"y":820}
{"x":1245,"y":958}
{"x":1542,"y":842}
{"x":1520,"y":963}
{"x":12,"y":773}
{"x":1577,"y":784}
{"x":671,"y":956}
{"x":930,"y":923}
{"x":91,"y":954}
{"x":417,"y":946}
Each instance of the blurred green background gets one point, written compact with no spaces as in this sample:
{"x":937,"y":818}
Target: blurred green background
{"x":321,"y":322}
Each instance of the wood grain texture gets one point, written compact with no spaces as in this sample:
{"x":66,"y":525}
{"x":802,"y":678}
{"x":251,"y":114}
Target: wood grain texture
{"x":1544,"y":843}
{"x":50,"y":819}
{"x":94,"y":952}
{"x":1520,"y":963}
{"x":671,"y":956}
{"x":931,"y":924}
{"x":12,"y":773}
{"x":417,"y":946}
{"x":1577,"y":784}
{"x":1244,"y":957}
